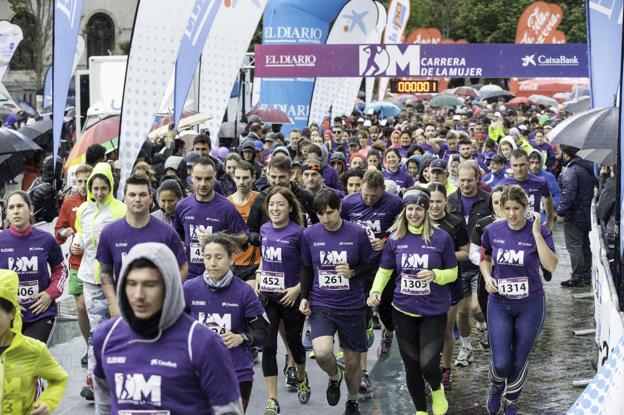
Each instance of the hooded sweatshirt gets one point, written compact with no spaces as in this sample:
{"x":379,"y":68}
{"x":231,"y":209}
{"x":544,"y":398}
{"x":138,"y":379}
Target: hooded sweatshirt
{"x":184,"y":368}
{"x":91,"y":219}
{"x":551,"y":180}
{"x":23,"y":361}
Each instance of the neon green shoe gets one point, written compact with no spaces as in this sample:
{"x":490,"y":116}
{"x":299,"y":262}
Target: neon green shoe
{"x":439,"y":404}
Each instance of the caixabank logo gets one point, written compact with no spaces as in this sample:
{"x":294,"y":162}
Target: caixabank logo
{"x":389,"y":60}
{"x":545,"y":60}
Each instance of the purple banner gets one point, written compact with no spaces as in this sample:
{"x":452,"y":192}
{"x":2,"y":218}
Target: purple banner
{"x":448,"y":61}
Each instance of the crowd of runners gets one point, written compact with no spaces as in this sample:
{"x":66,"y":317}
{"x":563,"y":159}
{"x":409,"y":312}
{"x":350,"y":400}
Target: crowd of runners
{"x":415,"y":225}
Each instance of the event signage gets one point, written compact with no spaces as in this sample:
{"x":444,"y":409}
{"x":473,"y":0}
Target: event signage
{"x":414,"y":86}
{"x":403,"y":60}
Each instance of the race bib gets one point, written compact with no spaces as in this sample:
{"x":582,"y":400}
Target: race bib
{"x":411,"y":285}
{"x":144,"y":412}
{"x":197,"y":256}
{"x":272,"y":282}
{"x":329,"y":280}
{"x":27,"y":291}
{"x":514,"y":288}
{"x":369,"y":232}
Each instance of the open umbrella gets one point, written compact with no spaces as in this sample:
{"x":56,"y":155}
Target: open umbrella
{"x":444,"y":100}
{"x":188,"y":121}
{"x":490,"y":88}
{"x":582,"y":104}
{"x":543,"y":101}
{"x":466,"y":91}
{"x":519,"y":101}
{"x":595,"y":129}
{"x":384,"y":109}
{"x":270,"y":115}
{"x":99,"y":133}
{"x":602,"y":156}
{"x":40,"y":132}
{"x":12,"y":160}
{"x":494,"y":95}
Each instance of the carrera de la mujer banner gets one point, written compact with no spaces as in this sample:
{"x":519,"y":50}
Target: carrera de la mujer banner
{"x":451,"y":61}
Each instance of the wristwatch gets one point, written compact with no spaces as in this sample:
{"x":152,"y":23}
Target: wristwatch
{"x":246,"y":341}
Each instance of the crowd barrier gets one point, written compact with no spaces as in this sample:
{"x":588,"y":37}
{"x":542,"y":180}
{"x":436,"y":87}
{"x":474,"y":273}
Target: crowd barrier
{"x":605,"y":392}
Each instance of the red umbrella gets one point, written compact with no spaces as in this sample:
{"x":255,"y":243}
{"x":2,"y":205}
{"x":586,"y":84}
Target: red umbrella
{"x":466,"y":91}
{"x":270,"y":115}
{"x":519,"y":101}
{"x":98,"y":133}
{"x":166,"y":120}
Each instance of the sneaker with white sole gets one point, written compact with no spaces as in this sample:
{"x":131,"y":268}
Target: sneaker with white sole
{"x":385,"y":346}
{"x":366,"y":388}
{"x":465,"y":357}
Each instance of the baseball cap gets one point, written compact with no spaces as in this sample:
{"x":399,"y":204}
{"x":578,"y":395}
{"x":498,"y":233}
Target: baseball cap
{"x":437,"y":165}
{"x":353,"y":141}
{"x":497,"y":158}
{"x":311,"y":164}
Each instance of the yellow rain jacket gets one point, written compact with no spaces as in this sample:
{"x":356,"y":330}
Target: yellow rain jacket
{"x":25,"y":360}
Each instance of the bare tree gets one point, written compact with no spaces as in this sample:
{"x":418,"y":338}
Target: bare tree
{"x":41,"y":40}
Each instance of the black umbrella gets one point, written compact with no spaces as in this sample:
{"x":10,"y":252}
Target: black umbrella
{"x":12,"y":142}
{"x":593,"y":129}
{"x":40,"y":132}
{"x":494,"y":95}
{"x":602,"y":156}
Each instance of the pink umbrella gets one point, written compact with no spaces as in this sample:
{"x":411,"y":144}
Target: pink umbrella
{"x":466,"y":91}
{"x":270,"y":115}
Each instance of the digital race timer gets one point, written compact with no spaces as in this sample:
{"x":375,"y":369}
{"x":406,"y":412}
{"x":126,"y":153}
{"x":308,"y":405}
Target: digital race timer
{"x":425,"y":86}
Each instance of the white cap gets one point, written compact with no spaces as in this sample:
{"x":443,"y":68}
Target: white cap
{"x":456,"y":118}
{"x":383,"y":122}
{"x":370,"y":111}
{"x":360,"y":120}
{"x":498,"y":114}
{"x":367,"y":123}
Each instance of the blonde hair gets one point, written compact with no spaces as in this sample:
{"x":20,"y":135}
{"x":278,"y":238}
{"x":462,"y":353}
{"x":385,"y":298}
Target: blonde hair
{"x":398,"y":230}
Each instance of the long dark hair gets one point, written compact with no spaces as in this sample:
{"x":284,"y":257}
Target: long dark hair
{"x":296,"y":214}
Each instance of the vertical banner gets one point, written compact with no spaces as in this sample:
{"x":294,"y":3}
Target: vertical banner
{"x":158,"y":29}
{"x":221,"y":59}
{"x":10,"y":37}
{"x":344,"y":100}
{"x":195,"y":34}
{"x":295,"y":22}
{"x":398,"y":15}
{"x":47,"y":85}
{"x":66,"y":25}
{"x":356,"y":23}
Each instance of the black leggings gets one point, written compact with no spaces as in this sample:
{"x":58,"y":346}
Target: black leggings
{"x":293,"y":324}
{"x":420,"y":340}
{"x":39,"y":329}
{"x":245,"y":391}
{"x":482,"y":295}
{"x":385,"y":309}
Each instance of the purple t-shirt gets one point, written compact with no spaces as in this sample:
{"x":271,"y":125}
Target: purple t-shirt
{"x":185,"y":371}
{"x":29,"y":256}
{"x":118,"y":238}
{"x":323,"y":250}
{"x":281,"y":256}
{"x":330,"y":177}
{"x":515,"y":259}
{"x":192,"y":216}
{"x":410,"y":255}
{"x":400,"y":177}
{"x":226,"y":310}
{"x":467,"y":202}
{"x":377,"y":218}
{"x":534,"y":186}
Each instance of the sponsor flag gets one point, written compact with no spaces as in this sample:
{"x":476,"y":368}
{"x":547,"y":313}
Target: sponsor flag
{"x":356,"y":23}
{"x":294,"y":22}
{"x":195,"y":34}
{"x":66,"y":25}
{"x":10,"y":37}
{"x":223,"y":54}
{"x":398,"y":15}
{"x":158,"y":29}
{"x":47,"y":85}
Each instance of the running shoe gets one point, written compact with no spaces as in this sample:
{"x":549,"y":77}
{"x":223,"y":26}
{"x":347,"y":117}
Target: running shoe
{"x":439,"y":404}
{"x":312,"y":355}
{"x":84,"y":360}
{"x":572,"y":283}
{"x":376,"y":322}
{"x":272,"y":407}
{"x":385,"y":346}
{"x":87,"y":391}
{"x":493,"y":403}
{"x":332,"y":394}
{"x":484,"y":340}
{"x":303,"y":390}
{"x":509,"y":408}
{"x":465,"y":357}
{"x":366,"y":389}
{"x":352,"y":408}
{"x":370,"y":335}
{"x":307,"y":341}
{"x":447,"y":379}
{"x":340,"y":360}
{"x":291,"y":379}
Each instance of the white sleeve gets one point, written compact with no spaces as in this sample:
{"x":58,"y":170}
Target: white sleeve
{"x":475,"y":254}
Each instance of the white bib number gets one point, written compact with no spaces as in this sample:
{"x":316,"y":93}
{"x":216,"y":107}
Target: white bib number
{"x":197,"y":256}
{"x":369,"y":232}
{"x":144,"y":412}
{"x":514,"y":288}
{"x":272,"y":282}
{"x":411,"y":285}
{"x":27,"y":291}
{"x":329,"y":280}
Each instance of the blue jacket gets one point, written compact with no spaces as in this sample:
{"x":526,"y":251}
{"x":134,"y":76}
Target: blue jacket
{"x":577,"y":190}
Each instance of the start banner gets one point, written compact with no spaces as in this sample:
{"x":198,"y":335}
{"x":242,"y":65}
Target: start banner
{"x":402,"y":60}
